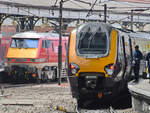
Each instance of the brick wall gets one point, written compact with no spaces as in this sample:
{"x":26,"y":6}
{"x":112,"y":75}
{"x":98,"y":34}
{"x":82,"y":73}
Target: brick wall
{"x":9,"y":29}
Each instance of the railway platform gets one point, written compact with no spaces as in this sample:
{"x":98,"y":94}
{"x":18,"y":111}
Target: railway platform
{"x":140,"y":95}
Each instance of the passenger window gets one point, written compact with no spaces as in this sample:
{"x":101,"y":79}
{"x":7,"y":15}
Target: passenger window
{"x":43,"y":44}
{"x":48,"y":43}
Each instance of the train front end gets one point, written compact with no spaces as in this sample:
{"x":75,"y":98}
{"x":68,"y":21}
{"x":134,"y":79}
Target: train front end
{"x":22,"y":57}
{"x":91,"y":58}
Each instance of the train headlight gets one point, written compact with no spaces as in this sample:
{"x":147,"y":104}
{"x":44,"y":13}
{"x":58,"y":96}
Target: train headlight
{"x":73,"y":71}
{"x":109,"y":69}
{"x":74,"y":68}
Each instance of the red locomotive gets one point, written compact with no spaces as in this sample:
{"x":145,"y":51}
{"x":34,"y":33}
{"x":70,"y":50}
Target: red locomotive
{"x":32,"y":55}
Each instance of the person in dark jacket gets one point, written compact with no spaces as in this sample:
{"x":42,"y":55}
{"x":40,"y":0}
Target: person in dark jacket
{"x":137,"y":56}
{"x":148,"y":62}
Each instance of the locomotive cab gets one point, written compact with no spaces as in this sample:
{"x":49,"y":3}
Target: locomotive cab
{"x":33,"y":56}
{"x":23,"y":48}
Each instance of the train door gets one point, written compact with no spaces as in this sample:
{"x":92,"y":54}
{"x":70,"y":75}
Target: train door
{"x":130,"y":59}
{"x":127,"y":56}
{"x":55,"y":44}
{"x":124,"y":58}
{"x":44,"y":53}
{"x":48,"y":50}
{"x":123,"y":55}
{"x":121,"y":62}
{"x":51,"y":51}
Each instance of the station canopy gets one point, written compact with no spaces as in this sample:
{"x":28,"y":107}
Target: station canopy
{"x":113,"y":5}
{"x":117,"y":10}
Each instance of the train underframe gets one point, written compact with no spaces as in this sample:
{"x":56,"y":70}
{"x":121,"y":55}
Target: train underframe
{"x":19,"y":72}
{"x":89,"y":90}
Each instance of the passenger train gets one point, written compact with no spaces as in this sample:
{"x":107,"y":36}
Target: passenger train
{"x":99,"y":60}
{"x":34,"y":56}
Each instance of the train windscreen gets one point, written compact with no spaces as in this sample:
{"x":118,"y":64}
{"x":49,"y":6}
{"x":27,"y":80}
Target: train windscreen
{"x":24,"y":43}
{"x":93,"y":40}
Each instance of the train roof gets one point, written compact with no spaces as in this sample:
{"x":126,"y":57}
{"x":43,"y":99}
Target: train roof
{"x":36,"y":35}
{"x":94,"y":27}
{"x":140,"y":35}
{"x":134,"y":34}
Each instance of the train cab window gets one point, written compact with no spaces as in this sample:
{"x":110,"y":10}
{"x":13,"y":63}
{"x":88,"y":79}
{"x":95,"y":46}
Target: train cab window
{"x":84,"y":40}
{"x":13,"y":44}
{"x":17,"y":43}
{"x":24,"y":43}
{"x":99,"y":42}
{"x":31,"y":43}
{"x":93,"y":42}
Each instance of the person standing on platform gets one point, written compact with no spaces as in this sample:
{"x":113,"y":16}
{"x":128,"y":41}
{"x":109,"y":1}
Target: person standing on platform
{"x":148,"y":62}
{"x":137,"y":56}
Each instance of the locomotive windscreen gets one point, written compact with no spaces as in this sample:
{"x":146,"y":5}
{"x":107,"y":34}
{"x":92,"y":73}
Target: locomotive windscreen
{"x":24,"y":43}
{"x":93,"y":39}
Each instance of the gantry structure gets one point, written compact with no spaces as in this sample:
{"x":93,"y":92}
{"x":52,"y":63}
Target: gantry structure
{"x":27,"y":13}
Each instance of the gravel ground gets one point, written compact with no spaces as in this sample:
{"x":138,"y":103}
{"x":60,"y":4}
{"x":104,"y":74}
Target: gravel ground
{"x":43,"y":98}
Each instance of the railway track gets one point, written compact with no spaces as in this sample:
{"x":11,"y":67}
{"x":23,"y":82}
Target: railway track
{"x":42,"y":98}
{"x":9,"y":85}
{"x":109,"y":110}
